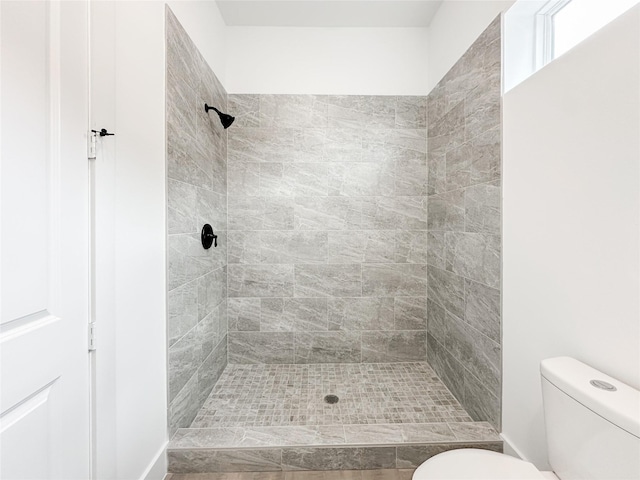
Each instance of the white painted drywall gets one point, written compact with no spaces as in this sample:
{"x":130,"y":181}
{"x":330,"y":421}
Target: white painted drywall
{"x":203,"y":22}
{"x":348,"y":61}
{"x":455,"y":26}
{"x":140,"y":250}
{"x":571,"y":223}
{"x":131,"y":220}
{"x":328,"y":13}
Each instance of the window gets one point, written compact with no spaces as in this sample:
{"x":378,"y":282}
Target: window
{"x":545,"y":31}
{"x":578,"y":19}
{"x":537,"y":31}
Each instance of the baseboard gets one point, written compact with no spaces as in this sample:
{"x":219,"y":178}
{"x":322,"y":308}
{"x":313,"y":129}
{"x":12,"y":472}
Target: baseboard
{"x":157,"y":469}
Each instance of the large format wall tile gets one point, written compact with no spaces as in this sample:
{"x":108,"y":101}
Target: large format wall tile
{"x":479,"y":354}
{"x":327,"y":347}
{"x":411,"y":112}
{"x":394,"y":279}
{"x":449,"y":369}
{"x":260,"y":347}
{"x":410,"y":313}
{"x":482,"y":309}
{"x":446,"y":211}
{"x":383,"y":347}
{"x":327,"y":213}
{"x":361,"y":111}
{"x":464,"y":228}
{"x":196,"y":194}
{"x":480,"y":401}
{"x":260,"y":213}
{"x":293,"y":111}
{"x":294,"y":247}
{"x":244,"y":314}
{"x":183,"y":311}
{"x":411,"y":247}
{"x":482,"y":212}
{"x":328,"y":280}
{"x":354,"y":314}
{"x":327,"y":218}
{"x":260,"y":280}
{"x":362,"y":179}
{"x":211,"y":369}
{"x":475,"y":256}
{"x":446,"y":289}
{"x":370,"y":246}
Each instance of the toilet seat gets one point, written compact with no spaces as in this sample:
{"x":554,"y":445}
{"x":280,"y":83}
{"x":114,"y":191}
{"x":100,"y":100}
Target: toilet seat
{"x":475,"y":464}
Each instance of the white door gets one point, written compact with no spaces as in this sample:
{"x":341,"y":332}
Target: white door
{"x":44,"y":241}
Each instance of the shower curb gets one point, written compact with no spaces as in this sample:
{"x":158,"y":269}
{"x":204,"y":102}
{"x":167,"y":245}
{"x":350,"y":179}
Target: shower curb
{"x":208,"y":451}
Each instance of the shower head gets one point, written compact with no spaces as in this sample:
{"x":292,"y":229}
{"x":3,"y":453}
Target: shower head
{"x":225,"y":119}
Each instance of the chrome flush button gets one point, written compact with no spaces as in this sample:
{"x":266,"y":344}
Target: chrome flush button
{"x":601,"y":384}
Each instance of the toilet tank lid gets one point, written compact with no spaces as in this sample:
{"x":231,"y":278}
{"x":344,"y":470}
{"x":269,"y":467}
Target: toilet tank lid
{"x":621,"y":407}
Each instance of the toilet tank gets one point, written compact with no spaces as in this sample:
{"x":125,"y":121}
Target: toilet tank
{"x":592,"y":422}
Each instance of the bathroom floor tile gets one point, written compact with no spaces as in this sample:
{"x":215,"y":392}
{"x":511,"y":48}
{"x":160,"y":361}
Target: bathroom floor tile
{"x":287,"y":395}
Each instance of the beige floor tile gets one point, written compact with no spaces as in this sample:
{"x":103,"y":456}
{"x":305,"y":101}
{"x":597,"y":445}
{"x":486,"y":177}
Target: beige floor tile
{"x":261,"y":476}
{"x":307,"y":475}
{"x":344,"y":475}
{"x":405,"y":473}
{"x":202,"y":476}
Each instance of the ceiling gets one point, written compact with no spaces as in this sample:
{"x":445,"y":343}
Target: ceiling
{"x":328,"y":13}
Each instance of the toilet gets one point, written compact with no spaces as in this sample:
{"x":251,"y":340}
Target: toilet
{"x":593,"y":432}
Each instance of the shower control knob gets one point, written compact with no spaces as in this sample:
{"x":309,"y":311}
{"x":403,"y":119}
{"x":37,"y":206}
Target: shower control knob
{"x":208,"y":237}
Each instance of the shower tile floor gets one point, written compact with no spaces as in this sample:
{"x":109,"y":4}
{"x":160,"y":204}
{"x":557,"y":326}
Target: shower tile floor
{"x":285,"y":395}
{"x":266,"y":418}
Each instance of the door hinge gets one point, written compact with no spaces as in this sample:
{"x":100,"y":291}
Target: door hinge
{"x":91,"y":147}
{"x":92,"y":337}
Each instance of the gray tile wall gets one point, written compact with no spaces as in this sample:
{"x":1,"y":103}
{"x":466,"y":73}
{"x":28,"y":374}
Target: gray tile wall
{"x":464,"y":233}
{"x":196,"y":194}
{"x":327,"y":242}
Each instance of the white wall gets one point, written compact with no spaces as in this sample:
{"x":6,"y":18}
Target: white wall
{"x":349,"y":61}
{"x":131,"y":223}
{"x":140,"y":237}
{"x":364,"y":61}
{"x":571,"y":223}
{"x":203,"y":22}
{"x":455,"y":26}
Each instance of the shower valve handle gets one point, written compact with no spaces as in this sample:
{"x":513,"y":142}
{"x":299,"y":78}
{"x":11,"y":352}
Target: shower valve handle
{"x":215,"y":239}
{"x":208,"y":237}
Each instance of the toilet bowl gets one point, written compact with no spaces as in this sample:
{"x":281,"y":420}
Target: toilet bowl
{"x":593,"y":432}
{"x":475,"y":464}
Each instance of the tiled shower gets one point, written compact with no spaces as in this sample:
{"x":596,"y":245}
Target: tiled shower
{"x":358,"y":255}
{"x":327,"y":229}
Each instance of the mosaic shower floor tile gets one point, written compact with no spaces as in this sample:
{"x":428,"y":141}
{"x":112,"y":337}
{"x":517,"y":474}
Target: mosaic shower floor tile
{"x":294,"y":395}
